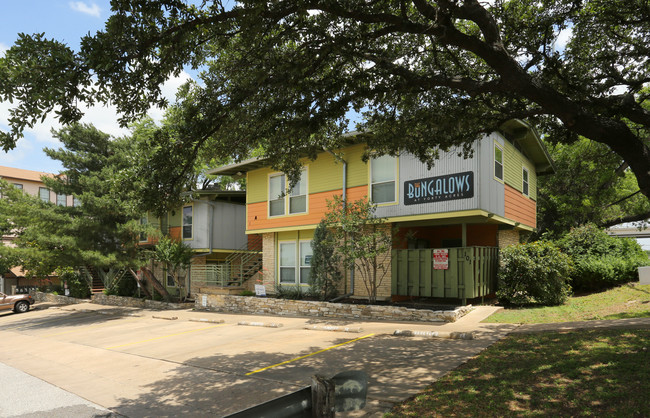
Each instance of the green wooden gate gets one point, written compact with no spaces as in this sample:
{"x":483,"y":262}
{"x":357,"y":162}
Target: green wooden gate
{"x":471,"y":273}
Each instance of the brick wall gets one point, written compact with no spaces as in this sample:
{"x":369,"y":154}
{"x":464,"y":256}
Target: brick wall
{"x":508,"y":237}
{"x":268,"y":262}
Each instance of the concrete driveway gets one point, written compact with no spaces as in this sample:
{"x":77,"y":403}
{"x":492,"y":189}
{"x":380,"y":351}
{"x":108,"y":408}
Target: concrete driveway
{"x":141,"y":363}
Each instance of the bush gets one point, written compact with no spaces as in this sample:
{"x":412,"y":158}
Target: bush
{"x":325,"y":264}
{"x":535,"y":273}
{"x":601,"y":261}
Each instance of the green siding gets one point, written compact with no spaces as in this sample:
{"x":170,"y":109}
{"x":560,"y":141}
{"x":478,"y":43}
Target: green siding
{"x":513,"y":163}
{"x":357,"y":169}
{"x":325,"y":173}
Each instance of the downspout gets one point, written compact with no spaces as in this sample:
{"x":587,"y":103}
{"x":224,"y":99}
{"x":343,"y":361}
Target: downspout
{"x":345,"y":200}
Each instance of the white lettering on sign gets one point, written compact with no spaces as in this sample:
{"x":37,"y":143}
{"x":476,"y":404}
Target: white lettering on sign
{"x":441,"y":259}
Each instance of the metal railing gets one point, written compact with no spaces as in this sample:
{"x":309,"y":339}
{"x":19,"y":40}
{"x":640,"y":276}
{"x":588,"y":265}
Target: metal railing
{"x":212,"y":275}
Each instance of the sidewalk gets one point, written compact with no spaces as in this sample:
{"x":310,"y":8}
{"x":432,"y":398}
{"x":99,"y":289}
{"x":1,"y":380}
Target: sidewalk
{"x":23,"y":395}
{"x":628,"y":323}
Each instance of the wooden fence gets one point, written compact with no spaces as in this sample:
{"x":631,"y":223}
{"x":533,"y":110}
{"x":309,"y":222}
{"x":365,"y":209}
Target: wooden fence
{"x":470,"y":273}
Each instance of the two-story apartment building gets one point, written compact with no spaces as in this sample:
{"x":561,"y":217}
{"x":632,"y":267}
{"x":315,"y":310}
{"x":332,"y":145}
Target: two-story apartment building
{"x":213,"y":225}
{"x":459,"y":211}
{"x":29,"y":182}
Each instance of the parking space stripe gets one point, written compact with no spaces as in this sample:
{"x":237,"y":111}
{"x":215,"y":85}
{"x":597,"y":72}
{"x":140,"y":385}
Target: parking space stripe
{"x":308,"y":355}
{"x":164,"y":336}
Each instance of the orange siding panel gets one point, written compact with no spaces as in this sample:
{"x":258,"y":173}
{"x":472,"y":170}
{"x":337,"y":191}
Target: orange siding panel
{"x":317,"y":207}
{"x":520,"y":208}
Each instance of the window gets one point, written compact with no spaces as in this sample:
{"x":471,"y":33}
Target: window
{"x":143,"y":234}
{"x":293,"y":202}
{"x":524,"y":185}
{"x":305,"y":262}
{"x":18,"y":186}
{"x":287,"y":262}
{"x":170,"y":281}
{"x":276,"y":195}
{"x":295,"y":268}
{"x":44,"y":194}
{"x":298,"y":196}
{"x":76,"y":202}
{"x":498,"y":162}
{"x":61,"y":199}
{"x":187,"y":222}
{"x":383,"y":175}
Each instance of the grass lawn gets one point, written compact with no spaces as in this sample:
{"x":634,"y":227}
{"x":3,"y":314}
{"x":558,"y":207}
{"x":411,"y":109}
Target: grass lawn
{"x":627,"y":301}
{"x":588,"y":372}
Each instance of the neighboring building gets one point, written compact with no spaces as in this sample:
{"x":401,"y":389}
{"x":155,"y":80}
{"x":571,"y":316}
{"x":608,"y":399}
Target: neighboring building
{"x":29,"y":182}
{"x":213,"y":225}
{"x":468,"y":207}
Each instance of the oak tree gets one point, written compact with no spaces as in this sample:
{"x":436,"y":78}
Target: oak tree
{"x":428,"y":75}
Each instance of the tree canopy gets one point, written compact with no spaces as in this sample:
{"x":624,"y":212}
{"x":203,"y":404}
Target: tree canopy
{"x":282,"y":75}
{"x":591,"y":185}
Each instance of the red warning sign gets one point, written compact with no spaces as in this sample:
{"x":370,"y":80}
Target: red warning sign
{"x":441,"y":259}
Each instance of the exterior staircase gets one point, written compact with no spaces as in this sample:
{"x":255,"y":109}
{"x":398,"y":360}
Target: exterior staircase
{"x":93,"y":278}
{"x":246,"y":261}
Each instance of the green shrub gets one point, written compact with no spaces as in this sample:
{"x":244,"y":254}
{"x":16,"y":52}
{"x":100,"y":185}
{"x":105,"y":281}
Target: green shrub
{"x":535,"y":273}
{"x":601,"y":261}
{"x":247,"y":293}
{"x":325,"y":264}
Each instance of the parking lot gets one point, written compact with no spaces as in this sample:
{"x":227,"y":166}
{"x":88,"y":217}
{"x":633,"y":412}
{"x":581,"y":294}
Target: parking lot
{"x":146,"y":363}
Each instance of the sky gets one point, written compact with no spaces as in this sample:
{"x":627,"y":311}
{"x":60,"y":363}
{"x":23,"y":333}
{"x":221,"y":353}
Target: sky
{"x":66,"y":21}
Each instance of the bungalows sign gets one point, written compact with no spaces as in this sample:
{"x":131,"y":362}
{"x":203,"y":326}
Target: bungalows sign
{"x":438,"y":189}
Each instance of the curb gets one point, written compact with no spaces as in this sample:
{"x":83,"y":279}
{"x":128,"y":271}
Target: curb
{"x":261,"y":324}
{"x":435,"y":334}
{"x":169,"y":318}
{"x":211,"y":321}
{"x":333,"y":328}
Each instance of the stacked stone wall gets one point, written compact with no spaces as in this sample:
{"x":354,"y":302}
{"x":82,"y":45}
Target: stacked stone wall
{"x":286,"y":307}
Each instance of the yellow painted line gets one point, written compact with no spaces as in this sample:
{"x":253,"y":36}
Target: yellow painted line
{"x":165,"y":336}
{"x":84,"y":328}
{"x":308,"y":355}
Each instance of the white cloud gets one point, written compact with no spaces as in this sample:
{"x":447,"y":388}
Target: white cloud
{"x":80,"y":6}
{"x":28,"y":154}
{"x":563,"y":38}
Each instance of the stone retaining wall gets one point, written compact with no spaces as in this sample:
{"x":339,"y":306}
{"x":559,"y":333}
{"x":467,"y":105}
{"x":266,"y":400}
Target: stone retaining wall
{"x":111,"y":300}
{"x":58,"y":299}
{"x":285,"y":307}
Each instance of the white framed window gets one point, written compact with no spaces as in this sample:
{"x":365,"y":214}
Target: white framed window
{"x":170,"y":281}
{"x":281,"y":202}
{"x":383,"y":179}
{"x":44,"y":194}
{"x":294,"y":264}
{"x":298,"y":195}
{"x":287,"y":263}
{"x":277,"y":184}
{"x":18,"y":186}
{"x":143,"y":234}
{"x":187,"y":222}
{"x":61,"y":199}
{"x":498,"y":162}
{"x":524,"y":181}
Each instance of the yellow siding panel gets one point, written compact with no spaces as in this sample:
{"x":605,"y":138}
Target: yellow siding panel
{"x":325,"y":173}
{"x":512,"y":163}
{"x":287,"y":235}
{"x":257,"y":185}
{"x":357,"y":169}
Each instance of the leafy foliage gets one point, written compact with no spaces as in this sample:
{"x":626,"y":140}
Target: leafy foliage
{"x":591,"y":185}
{"x":363,"y":240}
{"x":325,"y":263}
{"x":534,"y":273}
{"x":281,"y":76}
{"x":77,"y":286}
{"x":175,"y":257}
{"x":601,"y":261}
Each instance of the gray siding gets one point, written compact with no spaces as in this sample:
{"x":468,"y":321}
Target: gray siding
{"x":488,"y":192}
{"x":228,"y":225}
